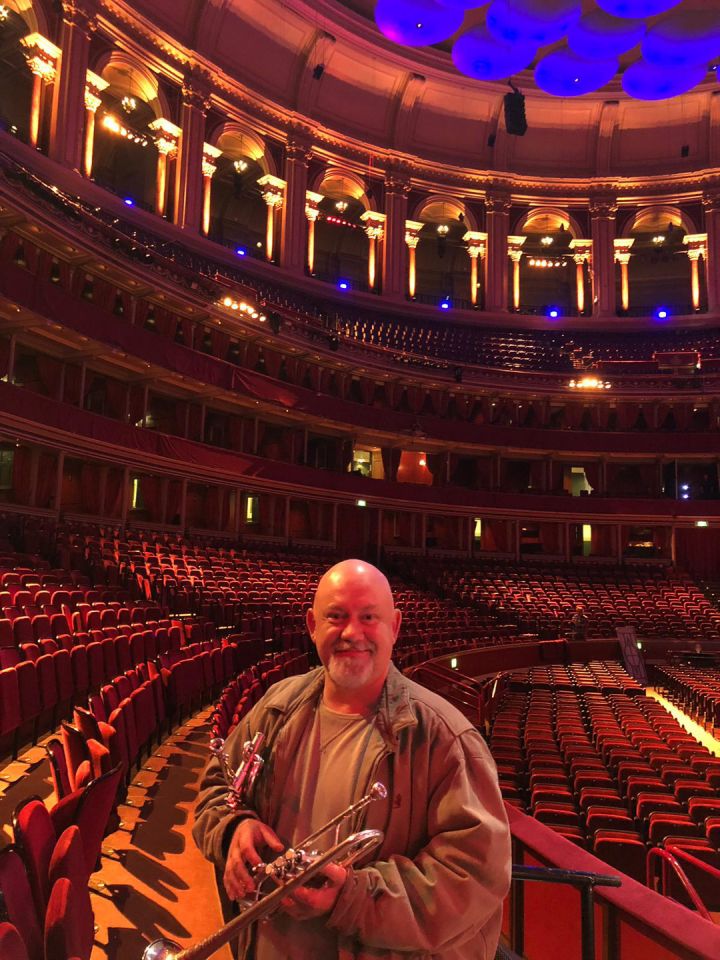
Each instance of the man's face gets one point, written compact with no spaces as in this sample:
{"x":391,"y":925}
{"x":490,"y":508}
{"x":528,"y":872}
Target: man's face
{"x":354,"y":626}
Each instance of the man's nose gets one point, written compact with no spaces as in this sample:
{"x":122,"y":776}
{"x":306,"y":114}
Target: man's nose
{"x":352,"y":628}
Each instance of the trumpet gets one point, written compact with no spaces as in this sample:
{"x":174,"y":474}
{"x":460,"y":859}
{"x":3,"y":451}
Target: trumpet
{"x":240,"y":781}
{"x":292,"y":869}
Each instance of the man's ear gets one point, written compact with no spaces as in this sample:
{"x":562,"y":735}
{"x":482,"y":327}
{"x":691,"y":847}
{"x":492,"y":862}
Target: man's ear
{"x":310,"y":623}
{"x":397,"y":620}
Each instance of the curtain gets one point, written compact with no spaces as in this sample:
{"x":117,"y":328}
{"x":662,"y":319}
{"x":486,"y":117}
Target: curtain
{"x":22,"y":465}
{"x":115,"y":398}
{"x":113,"y":493}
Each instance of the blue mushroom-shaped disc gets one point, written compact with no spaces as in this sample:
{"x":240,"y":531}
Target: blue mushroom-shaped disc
{"x":685,"y":38}
{"x":644,"y":81}
{"x":531,"y":21}
{"x":417,"y":23}
{"x":597,"y":35}
{"x":479,"y":54}
{"x":565,"y":74}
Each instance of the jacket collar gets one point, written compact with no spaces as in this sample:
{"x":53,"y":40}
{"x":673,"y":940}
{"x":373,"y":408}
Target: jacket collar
{"x":394,"y":710}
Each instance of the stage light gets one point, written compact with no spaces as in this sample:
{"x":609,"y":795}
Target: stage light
{"x":344,"y":284}
{"x":701,"y":523}
{"x":129,"y":202}
{"x":361,"y":503}
{"x":553,"y":313}
{"x":661,"y":314}
{"x":445,"y":305}
{"x":684,"y":486}
{"x":241,"y":251}
{"x":686,"y":496}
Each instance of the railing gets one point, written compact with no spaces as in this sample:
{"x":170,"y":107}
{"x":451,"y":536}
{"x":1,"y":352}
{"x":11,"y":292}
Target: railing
{"x":579,"y":879}
{"x":669,"y":857}
{"x":460,"y":690}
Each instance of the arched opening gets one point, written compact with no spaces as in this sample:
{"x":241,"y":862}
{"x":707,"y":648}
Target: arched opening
{"x":125,"y":155}
{"x":341,"y":246}
{"x":659,"y":267}
{"x":16,"y":80}
{"x":547,"y":269}
{"x":238,"y":214}
{"x":442,"y":261}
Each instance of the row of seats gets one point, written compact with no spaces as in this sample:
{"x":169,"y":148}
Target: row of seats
{"x":695,"y":690}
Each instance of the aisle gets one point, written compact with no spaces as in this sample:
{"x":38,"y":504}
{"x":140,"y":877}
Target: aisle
{"x":159,"y":883}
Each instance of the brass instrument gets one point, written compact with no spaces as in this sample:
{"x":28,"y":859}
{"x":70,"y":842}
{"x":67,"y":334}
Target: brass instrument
{"x":292,"y":869}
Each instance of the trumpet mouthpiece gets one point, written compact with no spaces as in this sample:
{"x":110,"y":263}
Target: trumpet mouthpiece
{"x":378,"y":791}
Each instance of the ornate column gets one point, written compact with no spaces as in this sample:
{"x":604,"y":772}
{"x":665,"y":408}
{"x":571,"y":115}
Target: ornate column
{"x":292,"y":250}
{"x":711,"y":203}
{"x":697,"y":246}
{"x":167,"y":136}
{"x":375,"y":231}
{"x":602,"y":219}
{"x":209,"y":166}
{"x":42,"y":57}
{"x":312,"y":212}
{"x":189,"y":176}
{"x":514,"y":251}
{"x":94,"y":86}
{"x":68,"y":106}
{"x":397,"y":188}
{"x":497,"y":207}
{"x":622,"y":256}
{"x":582,"y":254}
{"x":273,"y":193}
{"x":475,"y":244}
{"x":412,"y":236}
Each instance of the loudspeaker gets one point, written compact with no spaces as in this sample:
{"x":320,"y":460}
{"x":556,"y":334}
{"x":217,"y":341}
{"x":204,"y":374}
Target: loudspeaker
{"x":275,"y":321}
{"x":318,"y":71}
{"x":515,"y":120}
{"x":685,"y":150}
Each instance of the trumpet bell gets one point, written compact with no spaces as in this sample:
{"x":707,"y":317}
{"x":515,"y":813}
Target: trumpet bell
{"x":162,"y":949}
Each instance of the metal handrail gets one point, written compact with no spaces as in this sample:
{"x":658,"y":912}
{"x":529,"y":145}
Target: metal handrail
{"x":583,"y":881}
{"x":669,"y":857}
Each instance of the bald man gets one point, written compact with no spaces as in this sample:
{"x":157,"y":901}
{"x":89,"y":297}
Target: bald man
{"x":438,"y":880}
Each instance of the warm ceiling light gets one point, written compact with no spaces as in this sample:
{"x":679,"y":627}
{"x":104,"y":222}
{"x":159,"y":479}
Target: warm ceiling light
{"x":546,"y":241}
{"x":659,"y":238}
{"x":589,"y":383}
{"x":4,"y":13}
{"x":128,"y":104}
{"x":442,"y":229}
{"x":240,"y":166}
{"x":341,"y":206}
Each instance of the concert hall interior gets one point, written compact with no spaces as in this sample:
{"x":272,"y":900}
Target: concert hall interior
{"x":432,"y":283}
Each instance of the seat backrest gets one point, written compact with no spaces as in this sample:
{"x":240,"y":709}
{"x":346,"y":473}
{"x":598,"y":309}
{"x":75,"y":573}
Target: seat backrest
{"x":35,"y":838}
{"x":12,"y":946}
{"x":18,"y":901}
{"x":69,"y":926}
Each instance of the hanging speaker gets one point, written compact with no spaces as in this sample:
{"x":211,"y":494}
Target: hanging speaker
{"x":515,"y":120}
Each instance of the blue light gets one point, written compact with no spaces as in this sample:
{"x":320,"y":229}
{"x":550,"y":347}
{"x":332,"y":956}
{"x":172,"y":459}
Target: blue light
{"x":553,"y":313}
{"x":686,"y":496}
{"x":445,"y":305}
{"x":128,"y":201}
{"x":643,"y":81}
{"x":241,"y":251}
{"x":343,"y":284}
{"x":479,"y":54}
{"x":417,"y":23}
{"x":662,"y":314}
{"x":684,"y":486}
{"x":564,"y":74}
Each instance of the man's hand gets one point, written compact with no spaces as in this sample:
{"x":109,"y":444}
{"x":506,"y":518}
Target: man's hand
{"x":243,"y":854}
{"x":306,"y":902}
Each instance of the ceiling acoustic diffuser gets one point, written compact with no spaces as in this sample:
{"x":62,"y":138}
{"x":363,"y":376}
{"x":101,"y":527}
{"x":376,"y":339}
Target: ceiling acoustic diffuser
{"x":531,"y":21}
{"x":683,"y":39}
{"x":480,"y":55}
{"x":565,"y":74}
{"x":417,"y":23}
{"x":644,"y":81}
{"x":667,"y":46}
{"x":598,"y":35}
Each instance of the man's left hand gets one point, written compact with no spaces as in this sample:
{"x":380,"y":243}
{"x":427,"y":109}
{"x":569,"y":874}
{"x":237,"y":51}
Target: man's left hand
{"x":307,"y":902}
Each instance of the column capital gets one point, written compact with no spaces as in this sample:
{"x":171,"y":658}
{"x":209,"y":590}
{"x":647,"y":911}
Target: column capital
{"x":603,"y":207}
{"x":412,"y":232}
{"x":42,"y":56}
{"x":696,"y":244}
{"x":298,"y":149}
{"x":711,"y":201}
{"x":475,"y":243}
{"x":514,"y":244}
{"x":196,"y":87}
{"x":94,"y":86}
{"x":210,"y":155}
{"x":582,"y":250}
{"x":81,"y":15}
{"x":273,"y":190}
{"x":166,"y":136}
{"x":312,"y":204}
{"x":397,"y":179}
{"x":497,"y":202}
{"x":374,"y":224}
{"x":621,"y":246}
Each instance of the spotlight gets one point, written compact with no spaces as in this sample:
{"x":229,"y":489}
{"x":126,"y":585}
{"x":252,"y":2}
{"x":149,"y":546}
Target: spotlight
{"x":344,"y":284}
{"x":553,"y":313}
{"x":661,"y":313}
{"x":129,"y":202}
{"x":241,"y":251}
{"x":445,"y":304}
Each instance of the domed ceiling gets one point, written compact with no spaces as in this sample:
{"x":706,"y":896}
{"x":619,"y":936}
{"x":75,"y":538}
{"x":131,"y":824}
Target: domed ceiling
{"x":328,"y":63}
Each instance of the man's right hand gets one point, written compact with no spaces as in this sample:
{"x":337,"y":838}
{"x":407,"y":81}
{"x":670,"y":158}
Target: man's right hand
{"x":250,"y":835}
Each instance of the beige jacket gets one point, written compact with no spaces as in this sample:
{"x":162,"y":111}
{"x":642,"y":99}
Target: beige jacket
{"x":436,"y":889}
